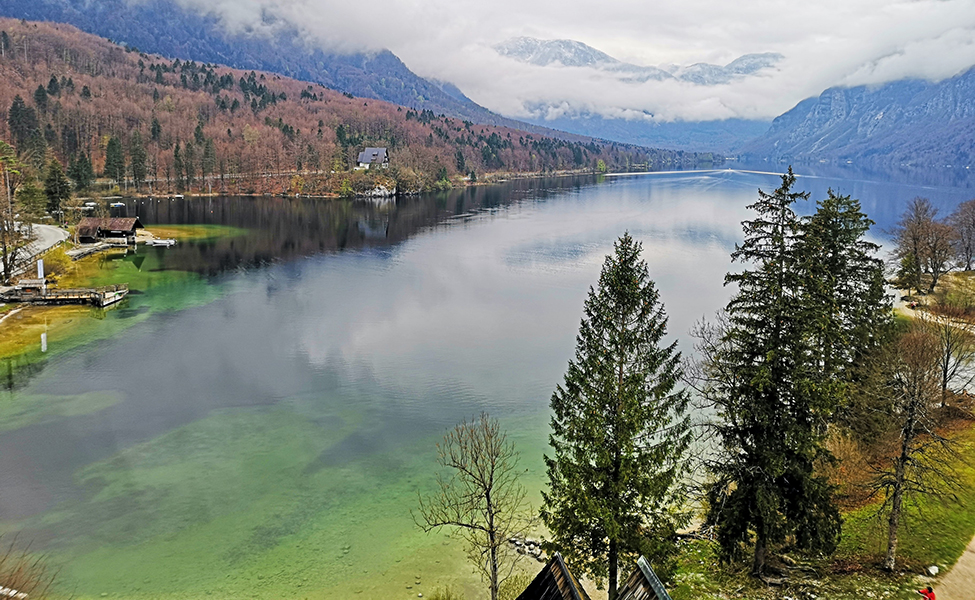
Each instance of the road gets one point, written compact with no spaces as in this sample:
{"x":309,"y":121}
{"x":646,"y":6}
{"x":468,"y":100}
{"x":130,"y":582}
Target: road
{"x":959,"y":583}
{"x":46,"y":236}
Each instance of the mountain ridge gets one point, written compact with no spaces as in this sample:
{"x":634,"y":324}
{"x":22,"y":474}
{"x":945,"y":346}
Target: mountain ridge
{"x":906,"y":122}
{"x":163,"y":27}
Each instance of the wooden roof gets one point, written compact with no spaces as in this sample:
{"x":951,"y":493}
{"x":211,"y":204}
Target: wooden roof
{"x":554,"y":582}
{"x":90,"y":226}
{"x":643,"y":584}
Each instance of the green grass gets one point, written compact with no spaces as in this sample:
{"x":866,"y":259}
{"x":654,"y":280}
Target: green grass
{"x":936,"y":531}
{"x":195,"y":232}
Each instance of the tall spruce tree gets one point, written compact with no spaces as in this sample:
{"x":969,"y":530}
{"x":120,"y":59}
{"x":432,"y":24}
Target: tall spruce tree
{"x":179,"y":167}
{"x":40,"y":98}
{"x":768,"y":392}
{"x":56,"y":186}
{"x":22,"y":120}
{"x":847,"y":309}
{"x":115,"y":160}
{"x":80,"y":171}
{"x":619,"y":428}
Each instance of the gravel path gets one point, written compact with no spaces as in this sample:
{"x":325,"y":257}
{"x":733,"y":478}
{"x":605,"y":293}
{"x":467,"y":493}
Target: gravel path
{"x":959,"y":583}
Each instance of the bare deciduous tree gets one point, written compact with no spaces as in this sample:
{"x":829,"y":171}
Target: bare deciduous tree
{"x":963,"y":220}
{"x":907,"y":375}
{"x":14,"y":235}
{"x":956,"y":345}
{"x":924,"y":245}
{"x":480,"y":497}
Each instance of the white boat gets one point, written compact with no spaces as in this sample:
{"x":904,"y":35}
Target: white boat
{"x":161,"y":242}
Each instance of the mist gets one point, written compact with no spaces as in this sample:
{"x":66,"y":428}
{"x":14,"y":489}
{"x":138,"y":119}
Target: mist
{"x":826,"y":43}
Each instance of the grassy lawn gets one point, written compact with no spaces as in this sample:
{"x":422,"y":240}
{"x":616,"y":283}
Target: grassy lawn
{"x":936,"y":532}
{"x":195,"y":232}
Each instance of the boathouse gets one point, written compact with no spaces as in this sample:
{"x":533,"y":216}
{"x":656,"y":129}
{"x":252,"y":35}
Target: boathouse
{"x":373,"y":157}
{"x":120,"y":230}
{"x":554,"y":582}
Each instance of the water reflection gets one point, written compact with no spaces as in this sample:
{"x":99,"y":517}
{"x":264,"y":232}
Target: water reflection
{"x":308,"y":396}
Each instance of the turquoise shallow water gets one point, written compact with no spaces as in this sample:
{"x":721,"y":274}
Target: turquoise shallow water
{"x":270,"y":442}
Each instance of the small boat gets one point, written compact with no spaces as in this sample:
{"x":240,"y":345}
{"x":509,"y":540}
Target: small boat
{"x":177,"y":197}
{"x":117,"y":204}
{"x":161,"y":242}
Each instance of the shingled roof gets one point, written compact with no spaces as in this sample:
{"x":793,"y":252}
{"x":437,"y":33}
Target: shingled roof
{"x":554,"y":582}
{"x":643,"y":584}
{"x":90,"y":226}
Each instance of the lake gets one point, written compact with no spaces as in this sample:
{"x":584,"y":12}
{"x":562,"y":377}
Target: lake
{"x":258,"y":419}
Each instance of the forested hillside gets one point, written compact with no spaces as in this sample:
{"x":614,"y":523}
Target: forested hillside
{"x":148,"y":121}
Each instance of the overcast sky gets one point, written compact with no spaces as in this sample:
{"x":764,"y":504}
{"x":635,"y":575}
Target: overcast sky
{"x":825,"y":43}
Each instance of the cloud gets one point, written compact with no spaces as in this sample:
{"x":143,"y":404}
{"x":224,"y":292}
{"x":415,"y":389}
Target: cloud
{"x":825,"y":43}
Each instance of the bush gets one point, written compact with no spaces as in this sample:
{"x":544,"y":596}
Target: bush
{"x":446,"y":593}
{"x":56,"y":262}
{"x":25,"y":573}
{"x":514,"y":586}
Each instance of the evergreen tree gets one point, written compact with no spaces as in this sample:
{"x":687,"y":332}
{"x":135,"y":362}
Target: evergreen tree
{"x":772,"y":408}
{"x":618,"y":428}
{"x":85,"y":92}
{"x":198,"y":134}
{"x":847,"y":309}
{"x":56,"y":186}
{"x":115,"y":161}
{"x":22,"y":121}
{"x":137,"y":160}
{"x":40,"y":98}
{"x":155,"y":130}
{"x":178,"y":168}
{"x":5,"y":43}
{"x":81,"y":172}
{"x":53,"y":86}
{"x":31,"y":200}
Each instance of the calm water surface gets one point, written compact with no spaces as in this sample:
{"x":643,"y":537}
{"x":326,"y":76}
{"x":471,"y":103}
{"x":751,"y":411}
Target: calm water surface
{"x":270,"y":442}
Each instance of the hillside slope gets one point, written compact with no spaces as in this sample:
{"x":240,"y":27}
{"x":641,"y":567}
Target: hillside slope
{"x":909,"y":122}
{"x":203,"y":126}
{"x":165,"y":27}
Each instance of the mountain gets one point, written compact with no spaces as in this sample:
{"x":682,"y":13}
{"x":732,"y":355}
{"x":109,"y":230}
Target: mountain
{"x":166,"y":28}
{"x":701,"y":136}
{"x":570,"y":53}
{"x":724,"y":137}
{"x":907,"y":122}
{"x":201,"y":126}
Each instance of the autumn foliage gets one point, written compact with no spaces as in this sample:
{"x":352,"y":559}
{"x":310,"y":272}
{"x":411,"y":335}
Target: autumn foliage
{"x":185,"y":126}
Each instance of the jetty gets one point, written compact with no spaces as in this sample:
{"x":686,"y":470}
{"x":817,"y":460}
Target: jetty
{"x":29,"y":293}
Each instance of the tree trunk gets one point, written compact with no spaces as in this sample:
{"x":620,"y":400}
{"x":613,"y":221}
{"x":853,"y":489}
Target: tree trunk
{"x":758,"y":563}
{"x":895,"y":514}
{"x":613,"y":560}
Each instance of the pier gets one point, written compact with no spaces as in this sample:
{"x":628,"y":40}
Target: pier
{"x":100,"y":297}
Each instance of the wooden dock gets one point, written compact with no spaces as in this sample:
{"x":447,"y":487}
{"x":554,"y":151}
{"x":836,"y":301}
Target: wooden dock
{"x":100,"y":297}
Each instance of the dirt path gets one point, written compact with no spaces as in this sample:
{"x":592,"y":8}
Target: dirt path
{"x":959,"y":583}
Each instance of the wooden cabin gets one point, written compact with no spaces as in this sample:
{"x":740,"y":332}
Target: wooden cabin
{"x":643,"y":584}
{"x":113,"y":230}
{"x":554,"y":582}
